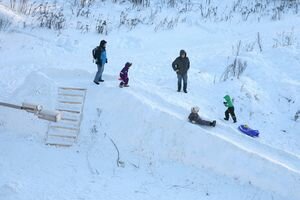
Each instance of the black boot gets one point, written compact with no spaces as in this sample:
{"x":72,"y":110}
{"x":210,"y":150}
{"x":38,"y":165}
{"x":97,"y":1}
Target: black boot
{"x":234,"y":119}
{"x":184,"y":88}
{"x":213,"y":123}
{"x":179,"y":87}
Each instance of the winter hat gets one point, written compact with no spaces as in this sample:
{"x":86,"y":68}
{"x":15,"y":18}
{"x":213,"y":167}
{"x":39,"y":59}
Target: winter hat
{"x":195,"y":109}
{"x":128,"y":64}
{"x":182,"y":52}
{"x":102,"y":43}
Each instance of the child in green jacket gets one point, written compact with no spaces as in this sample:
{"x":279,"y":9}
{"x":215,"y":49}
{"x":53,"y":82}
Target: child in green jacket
{"x":230,"y":110}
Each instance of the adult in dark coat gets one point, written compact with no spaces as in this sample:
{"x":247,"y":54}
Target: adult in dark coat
{"x":101,"y":59}
{"x":181,"y":66}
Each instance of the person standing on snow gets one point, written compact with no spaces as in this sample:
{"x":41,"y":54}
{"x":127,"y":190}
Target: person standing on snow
{"x":124,"y":75}
{"x":228,"y":103}
{"x":196,"y":119}
{"x":99,"y":54}
{"x":181,"y":66}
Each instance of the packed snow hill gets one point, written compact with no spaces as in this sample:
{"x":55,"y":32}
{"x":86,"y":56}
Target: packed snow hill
{"x":174,"y":93}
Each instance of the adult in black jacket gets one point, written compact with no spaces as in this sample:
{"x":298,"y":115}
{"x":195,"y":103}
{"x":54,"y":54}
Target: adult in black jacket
{"x":181,"y":66}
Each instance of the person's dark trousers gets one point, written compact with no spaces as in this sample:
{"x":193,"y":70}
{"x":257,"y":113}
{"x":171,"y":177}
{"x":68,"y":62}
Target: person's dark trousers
{"x":99,"y":73}
{"x":182,"y":77}
{"x":230,"y":111}
{"x":203,"y":122}
{"x":124,"y":81}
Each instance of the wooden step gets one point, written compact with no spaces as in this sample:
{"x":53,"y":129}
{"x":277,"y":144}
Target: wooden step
{"x":73,"y":107}
{"x":63,"y":127}
{"x":70,"y":95}
{"x":59,"y":141}
{"x":72,"y":92}
{"x":72,"y":88}
{"x":70,"y":102}
{"x":69,"y":111}
{"x":69,"y":120}
{"x":62,"y":132}
{"x":67,"y":124}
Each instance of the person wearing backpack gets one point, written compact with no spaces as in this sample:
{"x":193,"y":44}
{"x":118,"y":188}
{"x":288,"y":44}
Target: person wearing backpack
{"x":230,"y":109}
{"x":181,"y":66}
{"x":99,"y":54}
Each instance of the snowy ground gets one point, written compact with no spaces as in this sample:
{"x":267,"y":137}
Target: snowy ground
{"x":164,"y":156}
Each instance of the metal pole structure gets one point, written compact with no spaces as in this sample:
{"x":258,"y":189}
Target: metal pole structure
{"x":37,"y":110}
{"x":10,"y":105}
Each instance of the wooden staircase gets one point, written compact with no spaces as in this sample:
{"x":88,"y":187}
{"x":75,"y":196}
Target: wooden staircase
{"x":70,"y":102}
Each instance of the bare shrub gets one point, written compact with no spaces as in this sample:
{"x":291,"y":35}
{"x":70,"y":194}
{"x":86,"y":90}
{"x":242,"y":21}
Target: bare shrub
{"x":49,"y":16}
{"x":21,"y":5}
{"x":297,"y":115}
{"x":171,"y":3}
{"x":144,"y":3}
{"x":249,"y":47}
{"x":259,"y":42}
{"x":101,"y":27}
{"x":129,"y":22}
{"x":12,"y":4}
{"x":167,"y":24}
{"x":208,"y":13}
{"x":81,"y":7}
{"x":84,"y":28}
{"x":236,"y":68}
{"x":284,"y":39}
{"x":4,"y":23}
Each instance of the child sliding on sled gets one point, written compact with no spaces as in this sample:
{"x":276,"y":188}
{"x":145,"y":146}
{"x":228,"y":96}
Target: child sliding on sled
{"x":124,"y":75}
{"x":195,"y":118}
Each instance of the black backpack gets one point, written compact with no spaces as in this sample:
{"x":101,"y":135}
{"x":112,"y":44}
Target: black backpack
{"x":96,"y":52}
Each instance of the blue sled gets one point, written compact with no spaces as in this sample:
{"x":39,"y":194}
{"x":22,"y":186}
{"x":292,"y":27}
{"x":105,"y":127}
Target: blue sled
{"x":248,"y":131}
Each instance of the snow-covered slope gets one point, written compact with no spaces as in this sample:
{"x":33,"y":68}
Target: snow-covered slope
{"x":162,"y":155}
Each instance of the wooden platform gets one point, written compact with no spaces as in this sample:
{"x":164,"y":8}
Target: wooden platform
{"x":70,"y":102}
